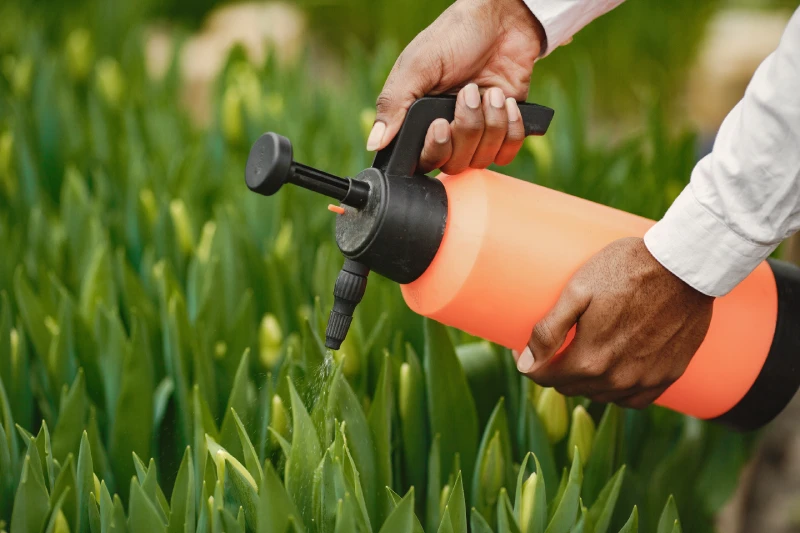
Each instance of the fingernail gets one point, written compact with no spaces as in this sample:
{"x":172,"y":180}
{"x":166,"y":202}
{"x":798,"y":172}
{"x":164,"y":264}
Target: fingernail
{"x":441,"y":131}
{"x":496,"y":98}
{"x":525,"y":361}
{"x":512,"y":109}
{"x":375,"y":136}
{"x":472,"y":96}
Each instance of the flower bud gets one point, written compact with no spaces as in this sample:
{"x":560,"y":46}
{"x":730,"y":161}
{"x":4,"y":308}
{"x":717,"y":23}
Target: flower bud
{"x":581,"y":434}
{"x":367,"y":119}
{"x":443,"y":498}
{"x":552,"y":410}
{"x":347,"y":352}
{"x":110,"y":81}
{"x":273,"y":104}
{"x":80,"y":54}
{"x":232,"y":123}
{"x":527,"y":500}
{"x":6,"y":159}
{"x":14,"y":341}
{"x":206,"y":241}
{"x":279,"y":421}
{"x":270,"y":339}
{"x":405,"y":390}
{"x":220,"y":349}
{"x":182,"y":224}
{"x":19,"y":72}
{"x":61,"y":524}
{"x":542,"y":152}
{"x":244,"y":78}
{"x":147,"y":200}
{"x":283,"y":241}
{"x":492,"y":474}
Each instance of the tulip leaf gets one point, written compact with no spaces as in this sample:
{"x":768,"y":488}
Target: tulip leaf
{"x":401,"y":519}
{"x":632,"y":525}
{"x":603,"y":509}
{"x":380,"y":423}
{"x":304,"y":457}
{"x":449,"y":393}
{"x":669,"y":517}
{"x":564,"y":515}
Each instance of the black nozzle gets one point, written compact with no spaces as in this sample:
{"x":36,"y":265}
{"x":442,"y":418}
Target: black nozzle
{"x":347,"y":293}
{"x":270,"y":166}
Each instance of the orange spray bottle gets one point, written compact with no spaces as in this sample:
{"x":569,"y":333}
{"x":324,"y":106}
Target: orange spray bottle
{"x":490,"y":254}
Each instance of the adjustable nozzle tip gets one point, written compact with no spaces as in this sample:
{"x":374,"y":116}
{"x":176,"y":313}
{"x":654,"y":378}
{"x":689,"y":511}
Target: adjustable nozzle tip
{"x":347,"y":293}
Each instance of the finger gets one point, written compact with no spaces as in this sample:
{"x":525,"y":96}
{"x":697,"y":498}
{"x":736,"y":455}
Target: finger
{"x":412,"y":77}
{"x":514,"y":136}
{"x":495,"y":125}
{"x":642,"y":399}
{"x":437,"y":148}
{"x":550,"y":332}
{"x":466,"y":129}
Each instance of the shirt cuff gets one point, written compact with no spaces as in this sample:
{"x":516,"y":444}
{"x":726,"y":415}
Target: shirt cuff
{"x":701,"y":250}
{"x":564,"y":18}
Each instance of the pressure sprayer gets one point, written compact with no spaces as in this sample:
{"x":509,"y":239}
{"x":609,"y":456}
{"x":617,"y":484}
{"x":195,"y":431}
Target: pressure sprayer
{"x":490,"y":254}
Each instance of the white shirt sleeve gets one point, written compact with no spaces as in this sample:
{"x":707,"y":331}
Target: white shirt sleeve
{"x":743,"y":198}
{"x":561,"y":19}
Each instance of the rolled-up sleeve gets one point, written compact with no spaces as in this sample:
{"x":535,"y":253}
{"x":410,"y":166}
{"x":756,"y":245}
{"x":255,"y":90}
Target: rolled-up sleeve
{"x":561,"y":19}
{"x":744,"y":197}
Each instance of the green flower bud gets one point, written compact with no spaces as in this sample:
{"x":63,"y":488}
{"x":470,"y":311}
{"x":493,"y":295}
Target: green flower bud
{"x":14,"y":338}
{"x":367,"y":119}
{"x":492,"y":474}
{"x":283,"y":241}
{"x":279,"y":421}
{"x":405,"y":390}
{"x":80,"y":54}
{"x":232,"y":124}
{"x":552,"y":410}
{"x":273,"y":104}
{"x":183,"y":226}
{"x":581,"y":434}
{"x":6,"y":155}
{"x":222,"y":457}
{"x":110,"y":81}
{"x":220,"y":350}
{"x":347,"y":352}
{"x":270,"y":339}
{"x":244,"y":78}
{"x":527,"y":501}
{"x":147,"y":200}
{"x":61,"y":524}
{"x":19,"y":72}
{"x":443,"y":498}
{"x":542,"y":152}
{"x":96,"y":483}
{"x":52,"y":325}
{"x":206,"y":241}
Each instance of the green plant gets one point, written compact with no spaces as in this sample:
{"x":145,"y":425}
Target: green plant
{"x":165,"y":325}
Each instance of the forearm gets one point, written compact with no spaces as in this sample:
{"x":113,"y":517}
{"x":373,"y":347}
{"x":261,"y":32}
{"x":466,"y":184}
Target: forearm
{"x":743,"y":198}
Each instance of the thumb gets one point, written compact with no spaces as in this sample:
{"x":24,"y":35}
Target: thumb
{"x":550,"y":332}
{"x":412,"y":77}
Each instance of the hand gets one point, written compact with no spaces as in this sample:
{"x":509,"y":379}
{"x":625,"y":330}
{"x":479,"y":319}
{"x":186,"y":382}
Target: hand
{"x":474,"y":44}
{"x":638,"y":326}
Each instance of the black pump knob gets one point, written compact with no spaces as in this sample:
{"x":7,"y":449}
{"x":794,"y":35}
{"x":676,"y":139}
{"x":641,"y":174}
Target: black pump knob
{"x":269,"y":165}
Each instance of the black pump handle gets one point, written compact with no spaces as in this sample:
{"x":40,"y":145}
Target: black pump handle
{"x":401,"y":156}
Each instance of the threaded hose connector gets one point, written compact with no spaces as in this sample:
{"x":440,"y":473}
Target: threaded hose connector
{"x":351,"y":284}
